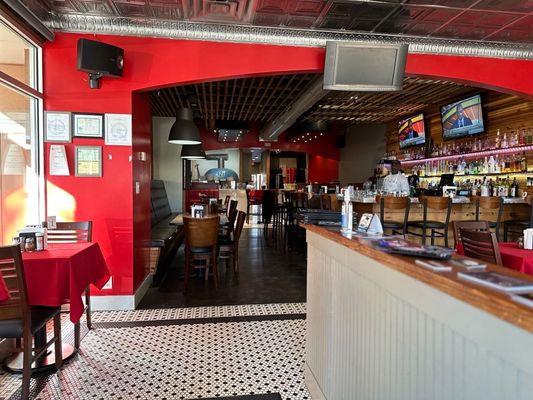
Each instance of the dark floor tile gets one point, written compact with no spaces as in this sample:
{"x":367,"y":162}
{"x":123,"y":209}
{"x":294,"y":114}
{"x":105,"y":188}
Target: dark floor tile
{"x":268,"y":274}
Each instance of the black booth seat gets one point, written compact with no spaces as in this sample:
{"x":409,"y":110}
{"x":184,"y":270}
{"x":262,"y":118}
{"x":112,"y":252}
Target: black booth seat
{"x":163,"y":235}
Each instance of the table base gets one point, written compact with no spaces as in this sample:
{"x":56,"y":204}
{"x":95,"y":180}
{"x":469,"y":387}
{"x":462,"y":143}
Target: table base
{"x":47,"y":362}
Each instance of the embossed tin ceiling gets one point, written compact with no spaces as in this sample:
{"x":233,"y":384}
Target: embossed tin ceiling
{"x":508,"y":21}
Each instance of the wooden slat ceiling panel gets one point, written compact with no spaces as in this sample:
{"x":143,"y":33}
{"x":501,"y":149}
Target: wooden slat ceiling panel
{"x":261,"y":99}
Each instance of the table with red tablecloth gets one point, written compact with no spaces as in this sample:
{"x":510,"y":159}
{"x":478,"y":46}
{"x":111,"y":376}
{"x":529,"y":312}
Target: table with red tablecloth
{"x":255,"y":196}
{"x":516,"y":258}
{"x":512,"y":257}
{"x":60,"y":274}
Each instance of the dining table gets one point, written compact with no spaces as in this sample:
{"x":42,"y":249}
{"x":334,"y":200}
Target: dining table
{"x":178,"y":220}
{"x":513,"y":257}
{"x":55,"y":276}
{"x":516,"y":258}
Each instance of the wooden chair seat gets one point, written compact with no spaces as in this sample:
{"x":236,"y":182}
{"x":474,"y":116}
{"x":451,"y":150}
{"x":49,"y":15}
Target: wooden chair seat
{"x":40,"y":315}
{"x":429,"y":224}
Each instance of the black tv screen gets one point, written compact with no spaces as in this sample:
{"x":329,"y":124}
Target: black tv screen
{"x":462,"y":118}
{"x":411,"y":131}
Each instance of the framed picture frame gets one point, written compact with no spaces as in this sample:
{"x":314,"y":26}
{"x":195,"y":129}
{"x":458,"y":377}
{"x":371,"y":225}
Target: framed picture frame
{"x":57,"y":127}
{"x":88,"y":125}
{"x":88,"y":161}
{"x":118,"y":129}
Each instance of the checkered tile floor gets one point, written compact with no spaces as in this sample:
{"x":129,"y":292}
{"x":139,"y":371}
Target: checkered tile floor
{"x":189,"y":360}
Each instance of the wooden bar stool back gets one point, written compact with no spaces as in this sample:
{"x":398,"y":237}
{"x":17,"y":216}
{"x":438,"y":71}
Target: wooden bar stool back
{"x":437,"y":229}
{"x":491,"y":205}
{"x":394,"y":204}
{"x":480,"y":226}
{"x":517,"y":226}
{"x":75,"y":232}
{"x":481,"y":245}
{"x":201,"y":236}
{"x":326,"y":202}
{"x":20,"y":321}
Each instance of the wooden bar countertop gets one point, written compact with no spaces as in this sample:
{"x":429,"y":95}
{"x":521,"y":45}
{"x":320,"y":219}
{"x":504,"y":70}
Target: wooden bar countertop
{"x":492,"y":301}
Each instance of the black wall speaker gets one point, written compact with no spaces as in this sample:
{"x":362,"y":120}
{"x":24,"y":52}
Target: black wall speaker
{"x":99,"y":59}
{"x":340,"y":141}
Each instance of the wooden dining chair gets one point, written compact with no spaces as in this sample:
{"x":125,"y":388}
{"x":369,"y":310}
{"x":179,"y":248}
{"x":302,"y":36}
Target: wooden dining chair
{"x":75,"y":232}
{"x":201,"y":237}
{"x":395,"y":204}
{"x":19,"y":320}
{"x":326,"y":202}
{"x":480,"y":226}
{"x":229,"y":249}
{"x":481,"y":245}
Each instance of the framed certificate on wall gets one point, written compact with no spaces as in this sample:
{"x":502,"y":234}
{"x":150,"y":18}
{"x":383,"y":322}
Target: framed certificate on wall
{"x":88,"y":161}
{"x":88,"y":125}
{"x":57,"y":127}
{"x":118,"y":129}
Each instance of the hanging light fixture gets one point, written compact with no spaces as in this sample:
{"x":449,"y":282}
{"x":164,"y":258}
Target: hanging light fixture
{"x":194,"y":152}
{"x":184,"y":131}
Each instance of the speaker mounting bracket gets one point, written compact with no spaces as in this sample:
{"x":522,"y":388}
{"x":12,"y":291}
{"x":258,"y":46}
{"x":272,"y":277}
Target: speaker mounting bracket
{"x":94,"y":80}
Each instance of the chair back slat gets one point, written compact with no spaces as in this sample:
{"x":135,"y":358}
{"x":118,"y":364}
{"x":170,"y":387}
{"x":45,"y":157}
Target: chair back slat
{"x":482,"y":226}
{"x":481,"y":245}
{"x":71,"y":232}
{"x":226,"y":201}
{"x":12,"y":271}
{"x":231,"y":208}
{"x":241,"y":217}
{"x":201,"y":232}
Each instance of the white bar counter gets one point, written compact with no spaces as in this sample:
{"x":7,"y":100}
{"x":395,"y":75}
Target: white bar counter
{"x":379,"y":327}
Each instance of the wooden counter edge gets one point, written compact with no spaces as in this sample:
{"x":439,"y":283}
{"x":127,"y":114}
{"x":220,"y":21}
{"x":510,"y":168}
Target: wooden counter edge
{"x":494,"y":302}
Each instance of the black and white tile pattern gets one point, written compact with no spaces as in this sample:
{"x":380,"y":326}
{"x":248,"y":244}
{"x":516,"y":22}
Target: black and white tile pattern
{"x":176,"y":360}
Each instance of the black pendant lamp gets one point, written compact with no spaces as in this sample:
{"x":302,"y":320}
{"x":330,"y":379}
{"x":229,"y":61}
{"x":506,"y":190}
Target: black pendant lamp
{"x":184,"y":131}
{"x":194,"y":152}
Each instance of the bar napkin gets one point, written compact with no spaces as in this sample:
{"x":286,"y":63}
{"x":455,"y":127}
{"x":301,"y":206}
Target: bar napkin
{"x":528,"y":238}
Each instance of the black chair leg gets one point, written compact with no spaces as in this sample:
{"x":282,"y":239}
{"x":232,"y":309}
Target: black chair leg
{"x":505,"y":233}
{"x":433,"y":237}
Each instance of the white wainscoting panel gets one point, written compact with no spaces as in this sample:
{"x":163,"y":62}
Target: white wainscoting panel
{"x":375,"y":333}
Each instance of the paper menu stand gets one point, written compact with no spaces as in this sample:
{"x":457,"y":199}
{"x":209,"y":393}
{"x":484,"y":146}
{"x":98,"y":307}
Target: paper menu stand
{"x":51,"y":222}
{"x":370,"y":224}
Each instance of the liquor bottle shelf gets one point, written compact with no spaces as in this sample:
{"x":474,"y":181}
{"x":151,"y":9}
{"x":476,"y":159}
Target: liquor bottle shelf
{"x":508,"y":150}
{"x":516,"y":173}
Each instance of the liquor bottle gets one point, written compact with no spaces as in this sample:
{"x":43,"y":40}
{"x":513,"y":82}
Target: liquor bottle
{"x":505,"y":144}
{"x":514,"y":189}
{"x":498,"y":140}
{"x":523,"y":162}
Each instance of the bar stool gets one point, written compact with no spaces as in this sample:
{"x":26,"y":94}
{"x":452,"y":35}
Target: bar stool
{"x":326,"y":202}
{"x":490,"y":204}
{"x":201,"y":237}
{"x":431,"y":203}
{"x":394,"y":203}
{"x":517,"y":226}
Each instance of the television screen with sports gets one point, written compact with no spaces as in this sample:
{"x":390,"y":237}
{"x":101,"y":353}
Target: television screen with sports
{"x":462,"y":118}
{"x":412,"y":131}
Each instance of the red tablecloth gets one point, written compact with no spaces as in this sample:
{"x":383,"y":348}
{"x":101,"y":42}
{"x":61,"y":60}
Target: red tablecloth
{"x":60,"y":274}
{"x":516,"y":258}
{"x":512,"y":257}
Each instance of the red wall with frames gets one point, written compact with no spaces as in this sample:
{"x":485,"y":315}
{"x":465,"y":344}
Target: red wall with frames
{"x":121,"y":218}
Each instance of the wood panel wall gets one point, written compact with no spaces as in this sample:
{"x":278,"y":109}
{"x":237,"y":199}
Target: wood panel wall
{"x":501,"y":111}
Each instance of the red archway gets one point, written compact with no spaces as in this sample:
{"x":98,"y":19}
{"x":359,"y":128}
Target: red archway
{"x":151,"y":63}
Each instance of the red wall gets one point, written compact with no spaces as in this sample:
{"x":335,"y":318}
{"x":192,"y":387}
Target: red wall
{"x":322,"y":169}
{"x":120,"y":217}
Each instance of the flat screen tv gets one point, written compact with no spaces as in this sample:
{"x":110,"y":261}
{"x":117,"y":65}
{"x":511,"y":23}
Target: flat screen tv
{"x":412,"y":131}
{"x":462,"y":118}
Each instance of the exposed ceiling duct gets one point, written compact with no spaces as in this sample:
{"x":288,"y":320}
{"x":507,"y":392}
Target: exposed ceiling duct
{"x":278,"y":36}
{"x":308,"y":98}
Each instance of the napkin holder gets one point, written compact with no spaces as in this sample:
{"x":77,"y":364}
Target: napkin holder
{"x":528,"y":239}
{"x":30,"y":231}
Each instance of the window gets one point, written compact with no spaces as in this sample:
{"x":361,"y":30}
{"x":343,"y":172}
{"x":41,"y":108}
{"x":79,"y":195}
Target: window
{"x":20,"y":111}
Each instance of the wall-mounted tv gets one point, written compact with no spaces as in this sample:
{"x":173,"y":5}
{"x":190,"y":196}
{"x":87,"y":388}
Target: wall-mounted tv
{"x":462,"y":118}
{"x":412,"y":131}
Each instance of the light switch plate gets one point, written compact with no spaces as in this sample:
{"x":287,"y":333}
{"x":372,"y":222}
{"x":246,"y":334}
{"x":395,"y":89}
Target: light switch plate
{"x":137,"y":187}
